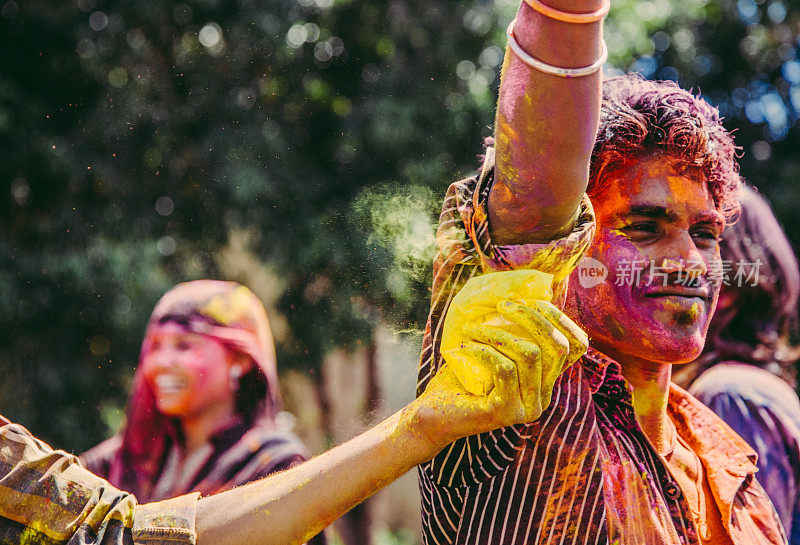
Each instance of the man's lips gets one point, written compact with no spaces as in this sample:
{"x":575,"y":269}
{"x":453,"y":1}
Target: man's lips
{"x":678,"y":291}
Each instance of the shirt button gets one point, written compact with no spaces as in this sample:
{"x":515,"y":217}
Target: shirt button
{"x":672,"y":491}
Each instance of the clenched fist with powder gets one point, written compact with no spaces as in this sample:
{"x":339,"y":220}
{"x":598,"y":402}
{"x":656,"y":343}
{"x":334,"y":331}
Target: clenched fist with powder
{"x":507,"y":317}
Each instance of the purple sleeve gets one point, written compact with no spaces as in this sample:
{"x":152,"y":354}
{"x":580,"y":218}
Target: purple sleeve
{"x":774,"y":435}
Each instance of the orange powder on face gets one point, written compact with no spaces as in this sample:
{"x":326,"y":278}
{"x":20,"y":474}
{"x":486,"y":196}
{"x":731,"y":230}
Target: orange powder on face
{"x":680,"y":192}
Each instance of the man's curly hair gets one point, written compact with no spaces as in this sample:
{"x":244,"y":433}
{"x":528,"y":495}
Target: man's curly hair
{"x":639,"y":118}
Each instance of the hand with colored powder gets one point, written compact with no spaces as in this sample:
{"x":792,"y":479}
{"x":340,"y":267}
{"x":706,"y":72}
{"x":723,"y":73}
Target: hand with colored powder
{"x":286,"y":508}
{"x":446,"y":411}
{"x":506,"y":319}
{"x":292,"y":506}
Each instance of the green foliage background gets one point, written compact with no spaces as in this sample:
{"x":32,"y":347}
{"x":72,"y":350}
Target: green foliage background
{"x":138,"y":138}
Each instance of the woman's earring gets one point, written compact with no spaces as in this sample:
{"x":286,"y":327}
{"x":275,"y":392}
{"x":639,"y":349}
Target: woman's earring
{"x":234,"y":374}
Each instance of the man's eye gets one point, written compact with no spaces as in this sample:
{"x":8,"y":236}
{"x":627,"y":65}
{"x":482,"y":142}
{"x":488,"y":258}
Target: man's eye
{"x":640,"y":227}
{"x":706,"y":235}
{"x":184,"y":345}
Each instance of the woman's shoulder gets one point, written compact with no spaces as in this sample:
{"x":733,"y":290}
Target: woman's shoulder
{"x":278,"y":442}
{"x":749,"y":383}
{"x":261,"y":451}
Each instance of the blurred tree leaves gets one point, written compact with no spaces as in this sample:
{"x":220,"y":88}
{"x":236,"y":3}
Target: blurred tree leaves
{"x":137,"y":137}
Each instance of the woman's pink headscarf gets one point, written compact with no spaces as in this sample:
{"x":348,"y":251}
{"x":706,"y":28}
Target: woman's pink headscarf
{"x":230,"y":313}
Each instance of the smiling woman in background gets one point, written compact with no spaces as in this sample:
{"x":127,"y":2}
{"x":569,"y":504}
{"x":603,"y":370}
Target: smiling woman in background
{"x":201,"y":413}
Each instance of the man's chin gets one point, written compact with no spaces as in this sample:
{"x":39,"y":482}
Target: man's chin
{"x":678,"y":349}
{"x":688,"y":355}
{"x":676,"y":312}
{"x":668,"y":344}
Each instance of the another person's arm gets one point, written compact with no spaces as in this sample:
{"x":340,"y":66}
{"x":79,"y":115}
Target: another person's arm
{"x":47,"y":495}
{"x":292,"y":506}
{"x":545,"y":126}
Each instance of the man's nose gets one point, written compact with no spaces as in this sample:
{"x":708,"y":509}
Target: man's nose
{"x":682,"y":256}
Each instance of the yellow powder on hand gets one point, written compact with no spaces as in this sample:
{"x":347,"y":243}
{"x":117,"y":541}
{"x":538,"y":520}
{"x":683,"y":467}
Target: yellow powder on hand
{"x":477,"y":303}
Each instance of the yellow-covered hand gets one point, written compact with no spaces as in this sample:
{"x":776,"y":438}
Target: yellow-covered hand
{"x":506,"y":317}
{"x":445,"y":411}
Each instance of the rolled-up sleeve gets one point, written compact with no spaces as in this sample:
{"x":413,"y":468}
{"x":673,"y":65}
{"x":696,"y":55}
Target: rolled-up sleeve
{"x":169,"y":522}
{"x":557,"y":257}
{"x":465,"y":247}
{"x":46,"y":496}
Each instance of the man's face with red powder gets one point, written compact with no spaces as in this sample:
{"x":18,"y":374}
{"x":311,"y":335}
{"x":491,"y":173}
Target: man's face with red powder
{"x":662,"y":223}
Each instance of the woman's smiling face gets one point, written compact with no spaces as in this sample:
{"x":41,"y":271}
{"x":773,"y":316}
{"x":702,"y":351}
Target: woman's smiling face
{"x":189,"y":373}
{"x":657,"y":233}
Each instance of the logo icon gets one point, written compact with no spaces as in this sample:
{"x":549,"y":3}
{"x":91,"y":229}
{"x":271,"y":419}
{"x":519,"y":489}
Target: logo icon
{"x":591,"y":272}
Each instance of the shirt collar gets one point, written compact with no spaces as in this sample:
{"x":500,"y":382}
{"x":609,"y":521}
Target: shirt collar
{"x":596,"y":366}
{"x":227,"y":436}
{"x":220,"y":440}
{"x":709,"y":436}
{"x":715,"y":439}
{"x":727,"y":458}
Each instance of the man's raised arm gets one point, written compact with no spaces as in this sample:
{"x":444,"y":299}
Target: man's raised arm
{"x":546,"y":123}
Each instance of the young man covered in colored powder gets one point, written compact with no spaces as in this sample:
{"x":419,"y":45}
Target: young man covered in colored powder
{"x":616,"y":454}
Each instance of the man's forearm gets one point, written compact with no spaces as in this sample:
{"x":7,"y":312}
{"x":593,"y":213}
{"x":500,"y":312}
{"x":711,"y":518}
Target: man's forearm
{"x":292,"y":506}
{"x":545,"y":126}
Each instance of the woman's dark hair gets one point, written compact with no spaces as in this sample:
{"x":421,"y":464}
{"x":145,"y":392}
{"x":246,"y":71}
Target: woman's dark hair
{"x":252,"y":398}
{"x":758,"y":314}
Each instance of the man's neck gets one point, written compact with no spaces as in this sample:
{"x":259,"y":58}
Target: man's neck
{"x":650,"y":381}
